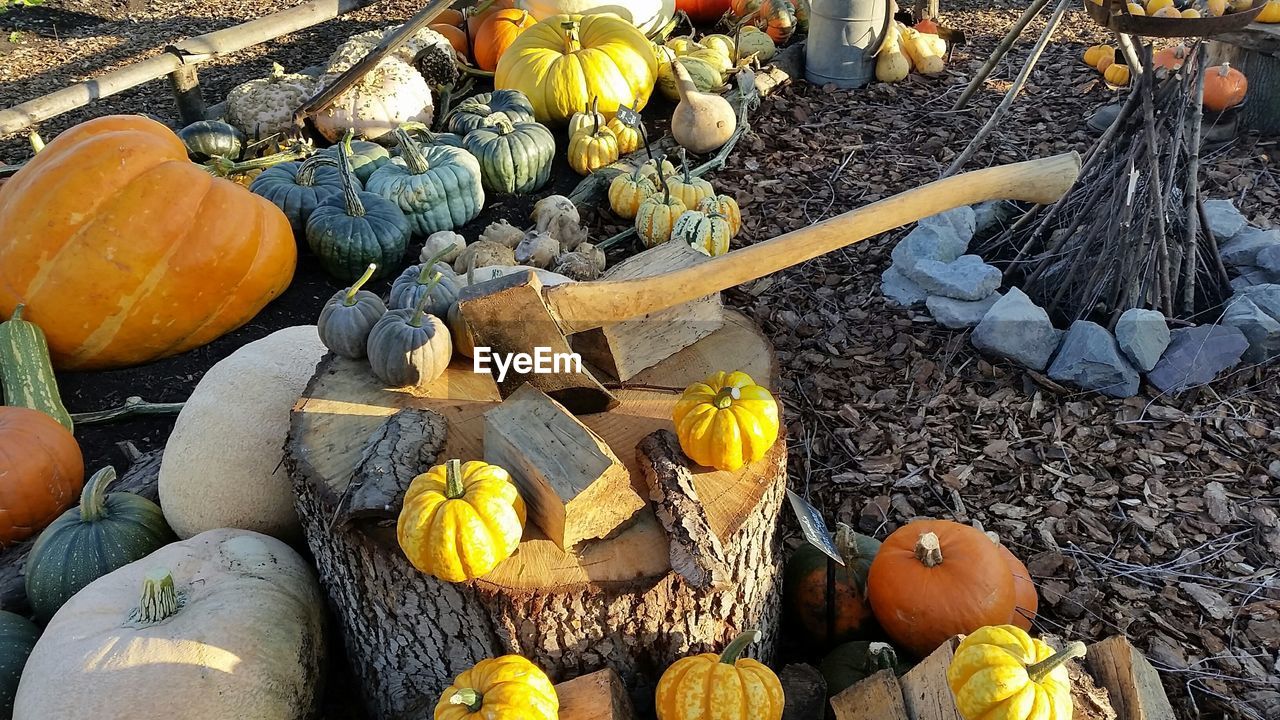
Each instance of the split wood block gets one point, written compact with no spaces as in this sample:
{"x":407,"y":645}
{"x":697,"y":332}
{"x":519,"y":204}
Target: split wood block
{"x":804,"y":691}
{"x":598,"y":696}
{"x":626,"y":348}
{"x":1134,"y":686}
{"x":924,"y":687}
{"x":575,"y":488}
{"x":878,"y":697}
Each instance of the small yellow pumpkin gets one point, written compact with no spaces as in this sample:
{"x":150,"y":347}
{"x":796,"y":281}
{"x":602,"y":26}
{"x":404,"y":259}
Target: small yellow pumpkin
{"x":689,"y":189}
{"x":629,"y":138}
{"x":1117,"y":74}
{"x":459,"y":521}
{"x":1190,"y":13}
{"x":1270,"y":12}
{"x":1155,"y":5}
{"x":587,"y":119}
{"x":656,"y":216}
{"x":1216,"y":7}
{"x":502,"y":687}
{"x":652,"y":167}
{"x":738,"y":688}
{"x":1168,"y":11}
{"x":627,"y":191}
{"x":726,"y":421}
{"x":1095,"y":53}
{"x":706,"y":232}
{"x":591,"y":150}
{"x":999,"y":672}
{"x":726,"y":206}
{"x":723,"y":43}
{"x":1136,"y":9}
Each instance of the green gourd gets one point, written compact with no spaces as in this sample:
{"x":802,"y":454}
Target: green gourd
{"x":356,"y":229}
{"x":514,"y":159}
{"x":208,"y":138}
{"x":487,"y":108}
{"x":106,"y":532}
{"x":707,"y":232}
{"x":409,"y":347}
{"x":298,"y":188}
{"x":345,"y":321}
{"x":805,"y":597}
{"x":437,"y":187}
{"x":364,"y":156}
{"x":26,"y":371}
{"x":17,"y":636}
{"x":853,"y":662}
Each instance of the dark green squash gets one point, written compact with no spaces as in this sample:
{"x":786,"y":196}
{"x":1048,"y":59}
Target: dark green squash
{"x":26,"y":370}
{"x":487,"y":108}
{"x":17,"y":636}
{"x":425,"y":279}
{"x":345,"y":321}
{"x":106,"y":532}
{"x":513,"y":158}
{"x":208,"y":138}
{"x":805,"y":589}
{"x":437,"y":187}
{"x":356,"y":229}
{"x":853,"y":662}
{"x":364,"y":156}
{"x":409,"y":347}
{"x":298,"y":188}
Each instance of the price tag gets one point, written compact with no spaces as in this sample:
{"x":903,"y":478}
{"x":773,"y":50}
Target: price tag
{"x":628,"y":117}
{"x":813,"y":527}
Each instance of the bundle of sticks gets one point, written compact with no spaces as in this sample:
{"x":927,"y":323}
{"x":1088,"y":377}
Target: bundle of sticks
{"x":1131,"y":232}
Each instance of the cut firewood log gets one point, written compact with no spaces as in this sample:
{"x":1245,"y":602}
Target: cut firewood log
{"x":805,"y":692}
{"x":625,"y":349}
{"x":695,"y":550}
{"x":403,"y":447}
{"x":598,"y":696}
{"x":576,"y":489}
{"x":1134,"y":686}
{"x":878,"y":697}
{"x":925,"y":689}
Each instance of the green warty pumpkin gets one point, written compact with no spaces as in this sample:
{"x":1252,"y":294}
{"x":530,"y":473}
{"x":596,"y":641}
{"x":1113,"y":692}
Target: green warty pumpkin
{"x":437,"y":187}
{"x":356,"y":229}
{"x":345,"y":321}
{"x":514,"y":159}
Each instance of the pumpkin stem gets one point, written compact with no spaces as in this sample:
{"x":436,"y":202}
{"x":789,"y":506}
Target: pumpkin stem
{"x":469,"y":698}
{"x":350,"y":299}
{"x":740,"y":643}
{"x":306,"y":176}
{"x":572,"y":43}
{"x":159,"y":598}
{"x":929,"y":550}
{"x":725,"y":397}
{"x":277,"y":72}
{"x":350,"y":192}
{"x":1041,"y":669}
{"x":412,"y":154}
{"x":17,"y":312}
{"x":420,"y":310}
{"x":453,"y":481}
{"x":502,"y":126}
{"x":93,"y":496}
{"x":37,"y":142}
{"x":222,"y":167}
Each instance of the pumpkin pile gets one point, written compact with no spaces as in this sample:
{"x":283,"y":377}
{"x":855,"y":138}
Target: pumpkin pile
{"x":1107,"y":60}
{"x":667,"y":205}
{"x":905,"y":49}
{"x":1190,"y":9}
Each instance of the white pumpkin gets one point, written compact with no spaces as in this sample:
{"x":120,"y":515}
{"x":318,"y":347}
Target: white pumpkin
{"x":264,"y":107}
{"x":221,"y":466}
{"x":228,"y":624}
{"x":648,"y":15}
{"x":391,"y":94}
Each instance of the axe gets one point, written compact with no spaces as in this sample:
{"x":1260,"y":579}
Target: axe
{"x":515,"y":314}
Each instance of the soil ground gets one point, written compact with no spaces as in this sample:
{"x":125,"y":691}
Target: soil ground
{"x":1154,"y":516}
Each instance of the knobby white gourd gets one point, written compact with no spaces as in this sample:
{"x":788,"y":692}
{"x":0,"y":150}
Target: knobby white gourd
{"x":702,"y":122}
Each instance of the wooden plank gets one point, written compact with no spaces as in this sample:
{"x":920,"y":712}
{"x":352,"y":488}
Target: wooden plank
{"x":1259,"y":37}
{"x":598,"y":696}
{"x":201,"y":48}
{"x":1134,"y":686}
{"x":879,"y":697}
{"x":924,"y":687}
{"x":804,"y":692}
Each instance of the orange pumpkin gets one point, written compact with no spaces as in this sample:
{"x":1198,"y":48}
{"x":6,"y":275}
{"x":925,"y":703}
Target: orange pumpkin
{"x":1170,"y":58}
{"x":480,"y":12}
{"x":123,"y":251}
{"x":449,"y":16}
{"x":499,"y":30}
{"x":936,"y":578}
{"x":1026,"y":601}
{"x":1224,"y":87}
{"x":41,"y":472}
{"x":927,"y":25}
{"x":456,"y":37}
{"x":779,"y":19}
{"x":703,"y":11}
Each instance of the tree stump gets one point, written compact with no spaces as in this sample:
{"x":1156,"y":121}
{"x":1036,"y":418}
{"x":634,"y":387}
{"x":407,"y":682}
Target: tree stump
{"x":617,"y":603}
{"x":1255,"y":51}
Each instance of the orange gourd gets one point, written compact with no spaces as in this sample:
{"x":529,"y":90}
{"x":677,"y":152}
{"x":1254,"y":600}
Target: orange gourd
{"x":1117,"y":74}
{"x":1106,"y":62}
{"x":123,"y":251}
{"x":779,"y":19}
{"x":1224,"y":87}
{"x":41,"y":472}
{"x":1170,"y":58}
{"x":499,"y":30}
{"x":456,"y":37}
{"x":1096,"y":53}
{"x":449,"y":16}
{"x":933,"y":579}
{"x":1026,"y":600}
{"x":703,"y":11}
{"x":927,"y":25}
{"x":479,"y":13}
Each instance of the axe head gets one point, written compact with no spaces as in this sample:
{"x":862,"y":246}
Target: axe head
{"x":513,"y":328}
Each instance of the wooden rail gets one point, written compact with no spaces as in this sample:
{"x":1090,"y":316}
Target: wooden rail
{"x":181,"y":57}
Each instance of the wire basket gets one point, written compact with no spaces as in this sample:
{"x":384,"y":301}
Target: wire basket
{"x":1115,"y":15}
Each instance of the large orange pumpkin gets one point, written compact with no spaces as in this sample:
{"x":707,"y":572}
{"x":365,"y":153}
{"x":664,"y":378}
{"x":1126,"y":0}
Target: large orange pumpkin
{"x":499,"y":30}
{"x":936,"y":578}
{"x":41,"y":472}
{"x":124,"y":251}
{"x":1224,"y":87}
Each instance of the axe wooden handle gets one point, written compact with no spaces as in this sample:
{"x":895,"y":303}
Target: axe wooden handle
{"x":583,"y":306}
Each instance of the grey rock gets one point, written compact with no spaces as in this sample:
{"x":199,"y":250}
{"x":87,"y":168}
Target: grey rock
{"x":1250,"y":276}
{"x":1265,"y":296}
{"x":1261,"y":330}
{"x":992,"y":214}
{"x":956,"y":314}
{"x":1017,"y":329}
{"x":1268,"y":261}
{"x":1090,"y":358}
{"x":1224,"y":219}
{"x":1243,"y":249}
{"x":1142,"y":336}
{"x":961,"y":222}
{"x":1196,"y":355}
{"x":965,"y":278}
{"x":900,"y":289}
{"x":927,"y":243}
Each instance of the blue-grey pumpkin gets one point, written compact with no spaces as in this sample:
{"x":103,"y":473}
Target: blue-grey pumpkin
{"x":424,"y":279}
{"x":513,"y":158}
{"x":356,"y":229}
{"x":345,"y":321}
{"x":364,"y":156}
{"x":437,"y":187}
{"x":207,"y":138}
{"x":487,"y":108}
{"x":409,"y":347}
{"x":17,"y":636}
{"x":297,"y":188}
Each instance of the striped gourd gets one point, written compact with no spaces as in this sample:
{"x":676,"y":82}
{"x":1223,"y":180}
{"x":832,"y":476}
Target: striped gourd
{"x":26,"y":372}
